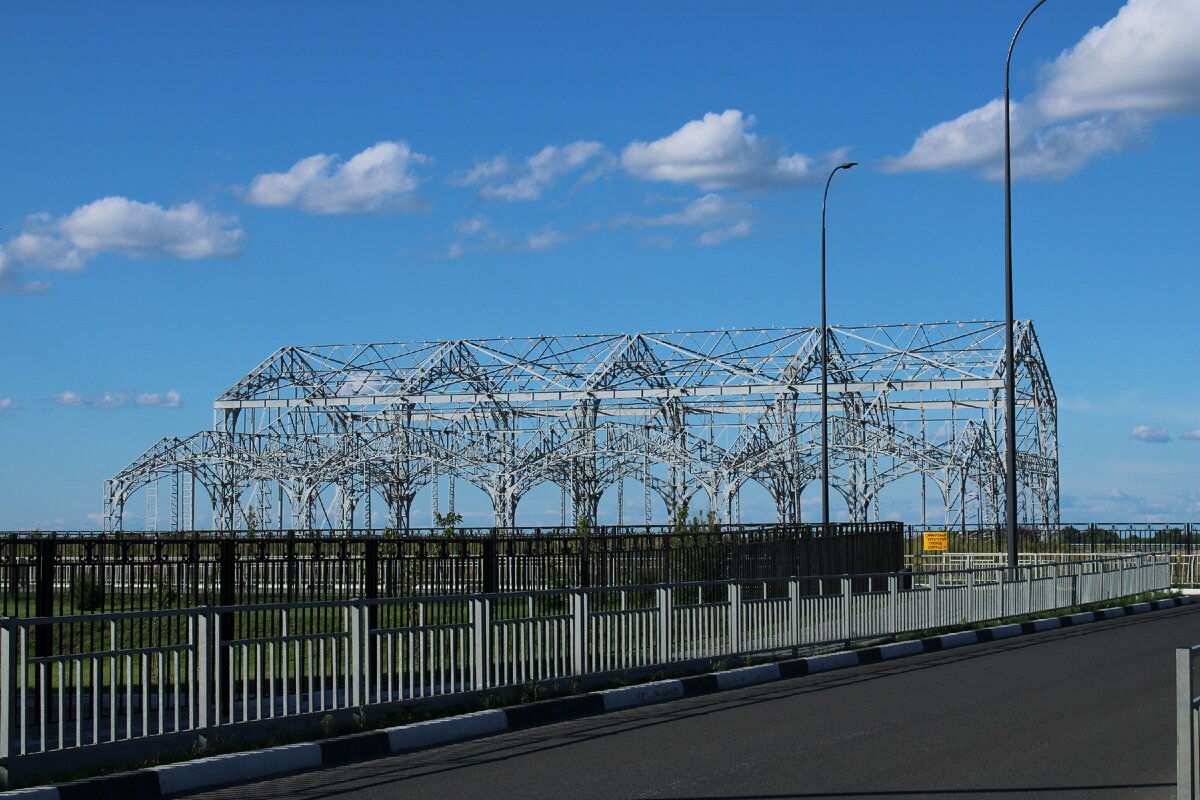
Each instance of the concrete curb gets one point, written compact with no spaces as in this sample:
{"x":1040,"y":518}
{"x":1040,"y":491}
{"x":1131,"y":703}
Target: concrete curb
{"x":236,"y":768}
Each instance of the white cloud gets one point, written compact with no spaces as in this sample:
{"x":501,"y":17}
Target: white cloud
{"x":147,"y":230}
{"x":546,"y":238}
{"x":727,"y":219}
{"x":12,"y":278}
{"x":538,"y":172}
{"x":1119,"y":496}
{"x":478,"y":235}
{"x":45,"y":252}
{"x":472,"y":225}
{"x":115,"y":225}
{"x":483,"y":172}
{"x":376,"y":180}
{"x":1191,"y":436}
{"x":1142,"y":64}
{"x":167,"y":399}
{"x":1065,"y":149}
{"x":714,"y":237}
{"x":716,"y":152}
{"x":1146,"y":433}
{"x":7,"y":405}
{"x":111,"y":400}
{"x":711,"y":209}
{"x":1146,"y":59}
{"x":68,"y":398}
{"x":966,"y":141}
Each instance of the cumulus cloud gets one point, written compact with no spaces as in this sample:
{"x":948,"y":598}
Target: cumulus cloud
{"x":725,"y":218}
{"x":147,"y":230}
{"x":44,"y":251}
{"x":1065,"y":149}
{"x":1146,"y":59}
{"x":115,"y":225}
{"x":379,"y":179}
{"x":717,"y":152}
{"x":973,"y":138}
{"x":1146,"y":433}
{"x":500,"y":179}
{"x":111,"y":400}
{"x":167,"y":399}
{"x":1110,"y":86}
{"x":1191,"y":436}
{"x":12,"y":277}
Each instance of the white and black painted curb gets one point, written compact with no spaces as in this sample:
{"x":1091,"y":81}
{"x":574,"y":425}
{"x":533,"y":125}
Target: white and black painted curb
{"x":237,"y":768}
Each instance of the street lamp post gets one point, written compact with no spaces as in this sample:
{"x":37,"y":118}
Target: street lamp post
{"x":1010,"y":389}
{"x":825,"y":363}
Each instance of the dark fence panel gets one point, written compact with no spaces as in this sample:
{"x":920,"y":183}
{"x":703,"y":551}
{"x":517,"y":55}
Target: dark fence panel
{"x":62,"y":574}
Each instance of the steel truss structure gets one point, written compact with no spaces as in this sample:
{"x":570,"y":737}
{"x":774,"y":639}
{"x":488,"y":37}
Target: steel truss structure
{"x":314,"y":433}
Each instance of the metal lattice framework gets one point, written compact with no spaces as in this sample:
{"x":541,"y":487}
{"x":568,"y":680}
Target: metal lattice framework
{"x":316,"y":432}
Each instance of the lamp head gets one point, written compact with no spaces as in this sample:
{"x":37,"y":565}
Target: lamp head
{"x":848,"y":165}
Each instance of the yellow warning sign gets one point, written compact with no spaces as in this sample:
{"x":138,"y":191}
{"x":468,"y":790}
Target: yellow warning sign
{"x":937,"y":541}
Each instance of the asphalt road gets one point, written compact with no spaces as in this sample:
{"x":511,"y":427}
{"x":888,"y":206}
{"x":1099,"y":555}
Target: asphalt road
{"x":1079,"y":713}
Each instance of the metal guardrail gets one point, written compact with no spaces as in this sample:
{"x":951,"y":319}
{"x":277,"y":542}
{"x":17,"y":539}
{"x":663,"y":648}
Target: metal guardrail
{"x":1185,"y":567}
{"x":1187,"y":724}
{"x":291,"y":659}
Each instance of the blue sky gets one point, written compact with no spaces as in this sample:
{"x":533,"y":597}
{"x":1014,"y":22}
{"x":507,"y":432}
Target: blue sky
{"x":185,"y":189}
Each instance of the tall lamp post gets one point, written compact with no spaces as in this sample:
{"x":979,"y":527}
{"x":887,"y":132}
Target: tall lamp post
{"x":825,"y":363}
{"x":1010,"y":389}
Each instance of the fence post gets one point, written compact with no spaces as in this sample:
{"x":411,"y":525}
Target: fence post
{"x":1028,"y":589}
{"x":491,"y":564}
{"x":664,"y":624}
{"x":585,"y":561}
{"x":931,"y":609}
{"x":578,"y":632}
{"x":847,"y":602}
{"x":293,"y":568}
{"x":202,"y":648}
{"x":1057,"y":591}
{"x":228,"y":592}
{"x":971,"y":615}
{"x":371,"y":592}
{"x":1185,"y":747}
{"x":735,"y":619}
{"x":481,"y":627}
{"x":356,"y":613}
{"x":47,"y":554}
{"x":894,"y":603}
{"x":793,"y":596}
{"x":9,"y":727}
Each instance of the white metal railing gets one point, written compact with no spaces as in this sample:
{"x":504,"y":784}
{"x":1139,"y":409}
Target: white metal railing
{"x":1187,"y":725}
{"x":1185,"y":567}
{"x":120,"y":676}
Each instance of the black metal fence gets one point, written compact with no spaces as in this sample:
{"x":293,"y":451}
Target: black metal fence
{"x":59,"y":574}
